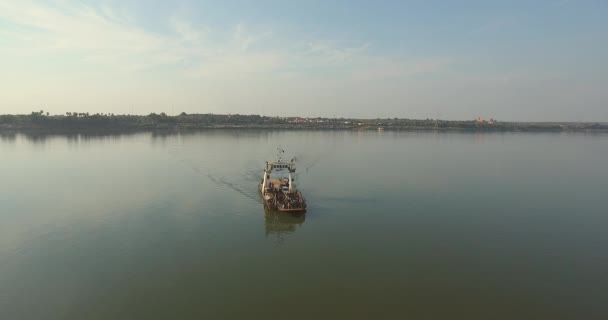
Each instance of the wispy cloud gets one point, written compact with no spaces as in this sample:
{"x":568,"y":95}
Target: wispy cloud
{"x":97,"y":34}
{"x":101,"y":35}
{"x":244,"y":39}
{"x":115,"y":62}
{"x":334,"y":53}
{"x":110,"y":37}
{"x":186,"y":33}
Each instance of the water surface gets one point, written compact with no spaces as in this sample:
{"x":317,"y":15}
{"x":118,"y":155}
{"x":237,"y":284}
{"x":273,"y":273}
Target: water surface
{"x":400,"y":225}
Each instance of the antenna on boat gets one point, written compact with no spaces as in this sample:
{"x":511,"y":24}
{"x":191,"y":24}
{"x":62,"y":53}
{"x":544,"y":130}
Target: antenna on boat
{"x":280,"y":151}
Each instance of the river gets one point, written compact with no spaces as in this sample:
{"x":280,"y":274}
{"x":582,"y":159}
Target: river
{"x":417,"y":225}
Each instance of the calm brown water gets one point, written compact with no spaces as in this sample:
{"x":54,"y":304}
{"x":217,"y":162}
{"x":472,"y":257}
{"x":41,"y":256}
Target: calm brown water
{"x":400,"y":225}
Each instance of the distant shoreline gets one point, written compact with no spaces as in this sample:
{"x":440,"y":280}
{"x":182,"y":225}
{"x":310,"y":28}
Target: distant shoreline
{"x":40,"y":123}
{"x":97,"y":130}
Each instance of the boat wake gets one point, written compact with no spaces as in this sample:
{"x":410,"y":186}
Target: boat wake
{"x":223,"y":183}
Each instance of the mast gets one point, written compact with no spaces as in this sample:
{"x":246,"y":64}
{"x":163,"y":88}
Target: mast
{"x":291,"y":169}
{"x":280,"y":152}
{"x":265,"y":175}
{"x":290,"y":183}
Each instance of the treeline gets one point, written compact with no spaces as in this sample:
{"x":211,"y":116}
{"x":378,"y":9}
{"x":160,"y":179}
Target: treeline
{"x":40,"y":120}
{"x":76,"y":121}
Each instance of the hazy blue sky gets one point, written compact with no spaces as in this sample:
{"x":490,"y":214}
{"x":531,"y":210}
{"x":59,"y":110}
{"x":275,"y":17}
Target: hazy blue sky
{"x":512,"y":60}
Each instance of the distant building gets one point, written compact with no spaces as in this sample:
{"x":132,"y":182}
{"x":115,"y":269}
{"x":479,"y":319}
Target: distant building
{"x":480,"y":120}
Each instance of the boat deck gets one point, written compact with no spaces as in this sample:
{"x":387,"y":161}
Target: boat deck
{"x":276,"y":183}
{"x":271,"y":202}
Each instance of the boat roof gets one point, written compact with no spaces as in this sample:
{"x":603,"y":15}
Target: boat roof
{"x":280,"y":165}
{"x":279,"y":162}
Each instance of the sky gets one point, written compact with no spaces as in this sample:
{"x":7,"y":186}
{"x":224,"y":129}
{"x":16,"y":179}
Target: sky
{"x":509,"y":60}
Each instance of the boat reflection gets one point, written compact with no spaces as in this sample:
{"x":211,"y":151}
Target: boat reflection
{"x":278,"y":224}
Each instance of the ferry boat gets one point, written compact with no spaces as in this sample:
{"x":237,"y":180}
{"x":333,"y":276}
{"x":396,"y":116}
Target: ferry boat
{"x":278,"y":190}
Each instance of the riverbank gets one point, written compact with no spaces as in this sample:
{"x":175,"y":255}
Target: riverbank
{"x":38,"y":122}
